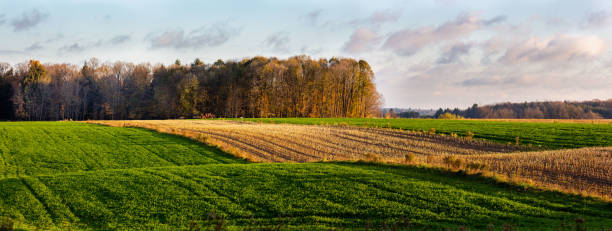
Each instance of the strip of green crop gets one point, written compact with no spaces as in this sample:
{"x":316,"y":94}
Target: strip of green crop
{"x":548,"y":135}
{"x":312,"y":196}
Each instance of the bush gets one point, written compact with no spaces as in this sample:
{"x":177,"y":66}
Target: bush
{"x":449,"y":116}
{"x":469,"y":135}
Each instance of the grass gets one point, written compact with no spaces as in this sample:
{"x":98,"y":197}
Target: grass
{"x":547,"y":134}
{"x":116,"y":178}
{"x":35,"y":148}
{"x":305,"y":196}
{"x":584,"y":170}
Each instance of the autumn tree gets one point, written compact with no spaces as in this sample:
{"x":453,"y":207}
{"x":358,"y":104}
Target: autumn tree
{"x":255,"y":87}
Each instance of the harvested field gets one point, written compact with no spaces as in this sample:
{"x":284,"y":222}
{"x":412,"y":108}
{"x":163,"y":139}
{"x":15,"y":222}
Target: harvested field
{"x":548,"y":134}
{"x":264,"y":142}
{"x":585,"y":170}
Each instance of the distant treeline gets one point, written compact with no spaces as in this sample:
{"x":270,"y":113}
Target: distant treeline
{"x":255,"y":87}
{"x":595,"y":109}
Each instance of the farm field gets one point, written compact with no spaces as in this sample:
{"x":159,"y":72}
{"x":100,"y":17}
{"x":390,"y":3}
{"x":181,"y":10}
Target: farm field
{"x":548,"y":134}
{"x":142,"y":191}
{"x":39,"y":148}
{"x":297,"y":196}
{"x":586,"y":170}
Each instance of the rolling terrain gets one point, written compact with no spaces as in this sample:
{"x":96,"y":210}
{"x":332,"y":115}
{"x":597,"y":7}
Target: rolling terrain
{"x":141,"y":191}
{"x":585,"y":170}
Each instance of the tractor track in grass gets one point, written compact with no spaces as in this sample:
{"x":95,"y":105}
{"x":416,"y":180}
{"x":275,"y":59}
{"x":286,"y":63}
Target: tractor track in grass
{"x":40,"y":200}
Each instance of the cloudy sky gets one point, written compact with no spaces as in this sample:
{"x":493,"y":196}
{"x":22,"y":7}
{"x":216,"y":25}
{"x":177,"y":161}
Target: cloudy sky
{"x":425,"y":54}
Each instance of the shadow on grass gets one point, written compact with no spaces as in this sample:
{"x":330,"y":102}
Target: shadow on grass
{"x":215,"y":151}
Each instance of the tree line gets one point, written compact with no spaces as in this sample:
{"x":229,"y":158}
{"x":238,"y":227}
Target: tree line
{"x":595,"y":109}
{"x":255,"y":87}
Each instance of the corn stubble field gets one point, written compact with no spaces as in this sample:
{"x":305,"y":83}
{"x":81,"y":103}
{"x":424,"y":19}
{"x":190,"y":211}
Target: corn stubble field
{"x":584,"y":170}
{"x":178,"y":175}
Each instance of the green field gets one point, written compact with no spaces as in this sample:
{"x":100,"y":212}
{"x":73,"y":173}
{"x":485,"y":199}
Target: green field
{"x":97,"y":177}
{"x":38,"y":148}
{"x":548,"y":135}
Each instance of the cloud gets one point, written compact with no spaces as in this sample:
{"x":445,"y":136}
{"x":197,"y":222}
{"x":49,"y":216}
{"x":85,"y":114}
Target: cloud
{"x":119,"y":39}
{"x":2,"y":19}
{"x":10,"y":52}
{"x":34,"y":47}
{"x":389,"y":15}
{"x":312,"y":17}
{"x":379,"y":17}
{"x":309,"y":50}
{"x":362,"y":40}
{"x":57,"y":37}
{"x":561,"y":48}
{"x":486,"y":81}
{"x":73,"y":48}
{"x":206,"y":36}
{"x":495,"y":20}
{"x":28,"y":20}
{"x":278,"y":41}
{"x":598,"y":19}
{"x":454,"y":53}
{"x":464,"y":83}
{"x":409,"y":41}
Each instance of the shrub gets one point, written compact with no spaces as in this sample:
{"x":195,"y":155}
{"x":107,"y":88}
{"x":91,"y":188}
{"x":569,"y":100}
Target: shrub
{"x":469,"y":135}
{"x":449,"y":116}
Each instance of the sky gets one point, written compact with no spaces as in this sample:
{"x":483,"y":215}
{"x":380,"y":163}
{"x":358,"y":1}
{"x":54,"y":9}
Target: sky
{"x":425,"y":54}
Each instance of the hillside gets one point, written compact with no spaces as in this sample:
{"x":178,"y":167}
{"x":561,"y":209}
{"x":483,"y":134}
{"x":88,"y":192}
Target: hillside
{"x":122,"y":189}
